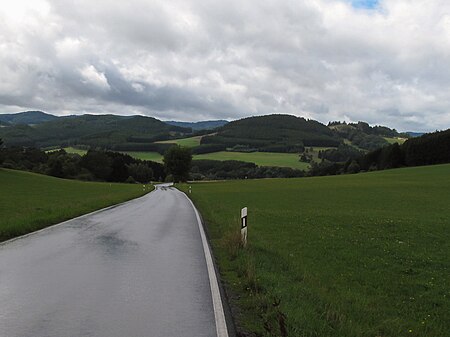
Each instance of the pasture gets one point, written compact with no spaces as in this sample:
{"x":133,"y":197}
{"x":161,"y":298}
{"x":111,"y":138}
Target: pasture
{"x":392,"y":140}
{"x":187,"y":142}
{"x":29,"y":201}
{"x":339,"y":256}
{"x":259,"y":158}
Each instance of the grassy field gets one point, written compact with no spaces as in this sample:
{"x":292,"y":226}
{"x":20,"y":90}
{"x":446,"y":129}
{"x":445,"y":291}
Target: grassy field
{"x":392,"y":140}
{"x":31,"y":201}
{"x":259,"y":158}
{"x":71,"y":150}
{"x":187,"y":142}
{"x":354,"y":255}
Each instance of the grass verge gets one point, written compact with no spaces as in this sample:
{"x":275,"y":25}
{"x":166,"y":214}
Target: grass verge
{"x":29,"y":201}
{"x":341,"y":256}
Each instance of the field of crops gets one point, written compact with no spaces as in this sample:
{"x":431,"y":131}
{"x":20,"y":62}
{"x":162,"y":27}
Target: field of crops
{"x":354,"y":255}
{"x":31,"y":201}
{"x":259,"y":158}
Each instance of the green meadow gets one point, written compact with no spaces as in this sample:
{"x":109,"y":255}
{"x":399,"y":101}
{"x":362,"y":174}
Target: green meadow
{"x":29,"y":201}
{"x":339,"y":256}
{"x":71,"y":149}
{"x":259,"y":158}
{"x":392,"y":140}
{"x":187,"y":142}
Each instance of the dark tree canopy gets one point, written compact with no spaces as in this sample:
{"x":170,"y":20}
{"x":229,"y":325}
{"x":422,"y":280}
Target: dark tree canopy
{"x":273,"y":133}
{"x":177,"y":161}
{"x":95,"y":165}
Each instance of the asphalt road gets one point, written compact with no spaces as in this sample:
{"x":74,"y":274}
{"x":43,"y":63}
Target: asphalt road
{"x":138,"y":269}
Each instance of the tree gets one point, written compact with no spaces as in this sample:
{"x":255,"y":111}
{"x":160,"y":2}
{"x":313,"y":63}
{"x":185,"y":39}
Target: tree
{"x":55,"y":167}
{"x":177,"y":161}
{"x":140,"y":172}
{"x":98,"y":163}
{"x":353,"y":167}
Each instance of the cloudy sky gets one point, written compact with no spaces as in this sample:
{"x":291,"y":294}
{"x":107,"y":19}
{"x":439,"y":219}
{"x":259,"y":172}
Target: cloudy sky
{"x":385,"y":62}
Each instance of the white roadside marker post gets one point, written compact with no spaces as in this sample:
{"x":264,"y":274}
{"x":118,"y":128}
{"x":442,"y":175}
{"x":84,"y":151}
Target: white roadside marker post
{"x":244,"y":226}
{"x":190,"y":189}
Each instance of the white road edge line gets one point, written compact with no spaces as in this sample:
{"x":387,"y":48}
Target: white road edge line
{"x":219,"y":315}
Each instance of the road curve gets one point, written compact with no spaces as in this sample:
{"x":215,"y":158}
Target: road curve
{"x":135,"y":270}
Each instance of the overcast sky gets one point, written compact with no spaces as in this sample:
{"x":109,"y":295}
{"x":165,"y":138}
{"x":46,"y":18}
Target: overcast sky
{"x":385,"y":62}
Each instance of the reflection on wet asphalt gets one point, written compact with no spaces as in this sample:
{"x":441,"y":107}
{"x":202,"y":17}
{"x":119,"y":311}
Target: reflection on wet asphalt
{"x":130,"y":271}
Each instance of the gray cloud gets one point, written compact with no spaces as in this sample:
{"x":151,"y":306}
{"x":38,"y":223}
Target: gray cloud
{"x":192,"y":60}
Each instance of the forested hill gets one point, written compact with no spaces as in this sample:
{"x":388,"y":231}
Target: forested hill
{"x":105,"y":131}
{"x":364,"y":136}
{"x":27,"y":117}
{"x":429,"y":149}
{"x":278,"y":133}
{"x":198,"y":126}
{"x":270,"y":133}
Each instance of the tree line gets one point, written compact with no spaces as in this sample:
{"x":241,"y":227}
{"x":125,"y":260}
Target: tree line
{"x":95,"y":165}
{"x":429,"y":149}
{"x":101,"y":165}
{"x":433,"y":148}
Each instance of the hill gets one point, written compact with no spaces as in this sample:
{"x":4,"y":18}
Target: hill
{"x":337,"y":142}
{"x":273,"y":133}
{"x":198,"y":126}
{"x":123,"y":133}
{"x":429,"y":149}
{"x":30,"y":201}
{"x":366,"y":137}
{"x":27,"y":117}
{"x":414,"y":134}
{"x":349,"y":255}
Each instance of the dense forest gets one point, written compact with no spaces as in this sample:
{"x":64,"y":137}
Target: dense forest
{"x":233,"y":169}
{"x":94,"y":165}
{"x":363,"y":135}
{"x":429,"y":149}
{"x":287,"y":133}
{"x":27,"y":117}
{"x":121,"y":133}
{"x":273,"y":133}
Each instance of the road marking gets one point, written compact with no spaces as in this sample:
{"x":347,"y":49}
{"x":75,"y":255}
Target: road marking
{"x":219,"y":315}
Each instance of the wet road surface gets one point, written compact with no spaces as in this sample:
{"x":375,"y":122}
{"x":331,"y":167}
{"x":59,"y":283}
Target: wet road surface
{"x":134,"y":270}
